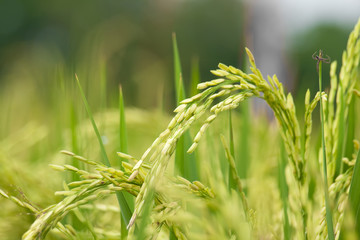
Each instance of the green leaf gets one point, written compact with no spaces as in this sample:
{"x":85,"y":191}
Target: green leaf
{"x":351,"y":129}
{"x":179,"y":86}
{"x":122,"y":125}
{"x":243,"y":161}
{"x":232,"y":183}
{"x":185,"y":163}
{"x":329,"y":220}
{"x":354,"y":194}
{"x":233,"y":173}
{"x":145,"y":216}
{"x":96,"y":130}
{"x":341,"y":136}
{"x":73,"y":220}
{"x":124,"y":207}
{"x":74,"y":141}
{"x":123,"y":140}
{"x":283,"y":187}
{"x":195,"y":76}
{"x":172,"y":235}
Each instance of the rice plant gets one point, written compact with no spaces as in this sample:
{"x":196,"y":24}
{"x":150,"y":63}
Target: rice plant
{"x":292,"y":190}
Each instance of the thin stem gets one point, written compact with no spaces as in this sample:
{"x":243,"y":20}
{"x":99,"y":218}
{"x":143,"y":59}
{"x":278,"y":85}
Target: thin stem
{"x":329,"y":220}
{"x":236,"y":179}
{"x":232,"y":184}
{"x":124,"y":207}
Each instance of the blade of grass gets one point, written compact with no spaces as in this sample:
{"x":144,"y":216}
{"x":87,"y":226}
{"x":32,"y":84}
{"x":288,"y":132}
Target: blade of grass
{"x":221,"y":158}
{"x":179,"y":86}
{"x":233,"y":173}
{"x":350,"y":132}
{"x":190,"y":161}
{"x":283,"y":187}
{"x":341,"y":135}
{"x":85,"y":221}
{"x":122,"y":126}
{"x":232,"y":183}
{"x":185,"y":163}
{"x":72,"y":176}
{"x":244,"y":148}
{"x":329,"y":220}
{"x":124,"y":207}
{"x":88,"y":110}
{"x":74,"y":142}
{"x":215,"y":155}
{"x":243,"y":161}
{"x":172,"y":235}
{"x":123,"y":148}
{"x":76,"y":163}
{"x":354,"y":194}
{"x":195,"y":76}
{"x":180,"y":95}
{"x":145,"y":216}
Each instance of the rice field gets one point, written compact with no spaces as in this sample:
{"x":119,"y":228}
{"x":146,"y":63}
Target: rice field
{"x":212,"y":169}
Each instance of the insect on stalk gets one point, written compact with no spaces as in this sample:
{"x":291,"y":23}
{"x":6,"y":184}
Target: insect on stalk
{"x":321,"y":57}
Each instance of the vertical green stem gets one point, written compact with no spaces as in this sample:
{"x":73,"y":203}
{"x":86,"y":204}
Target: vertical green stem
{"x":354,"y":194}
{"x":243,"y":162}
{"x":122,"y":125}
{"x":329,"y":220}
{"x":122,"y":148}
{"x":186,"y":164}
{"x":283,"y":187}
{"x":232,"y":183}
{"x":124,"y":207}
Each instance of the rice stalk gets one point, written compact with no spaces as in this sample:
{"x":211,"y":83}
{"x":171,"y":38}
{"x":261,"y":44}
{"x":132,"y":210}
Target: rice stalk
{"x":233,"y":86}
{"x":329,"y":220}
{"x":125,"y":209}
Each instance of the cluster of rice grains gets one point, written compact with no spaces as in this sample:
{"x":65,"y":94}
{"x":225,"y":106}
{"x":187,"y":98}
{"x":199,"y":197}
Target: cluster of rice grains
{"x":173,"y":202}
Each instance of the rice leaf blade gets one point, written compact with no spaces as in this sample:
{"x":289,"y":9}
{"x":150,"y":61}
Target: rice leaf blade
{"x":351,"y":129}
{"x":195,"y":76}
{"x":354,"y":194}
{"x":122,"y":126}
{"x":125,"y":210}
{"x":232,"y":184}
{"x":185,"y":163}
{"x":329,"y":220}
{"x":96,"y":130}
{"x":179,"y":86}
{"x":233,"y":173}
{"x":284,"y":191}
{"x":123,"y":143}
{"x":341,"y":136}
{"x":243,"y":161}
{"x":145,"y":216}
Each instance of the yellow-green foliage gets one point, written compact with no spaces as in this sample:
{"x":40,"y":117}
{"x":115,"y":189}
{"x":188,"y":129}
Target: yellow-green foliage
{"x":169,"y":206}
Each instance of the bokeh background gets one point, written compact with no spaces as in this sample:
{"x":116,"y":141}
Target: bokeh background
{"x":131,"y":40}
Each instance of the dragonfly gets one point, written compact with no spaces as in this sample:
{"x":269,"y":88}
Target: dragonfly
{"x":321,"y":57}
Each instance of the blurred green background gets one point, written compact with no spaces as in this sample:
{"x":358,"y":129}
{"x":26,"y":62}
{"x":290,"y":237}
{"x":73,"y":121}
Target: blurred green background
{"x":132,"y":41}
